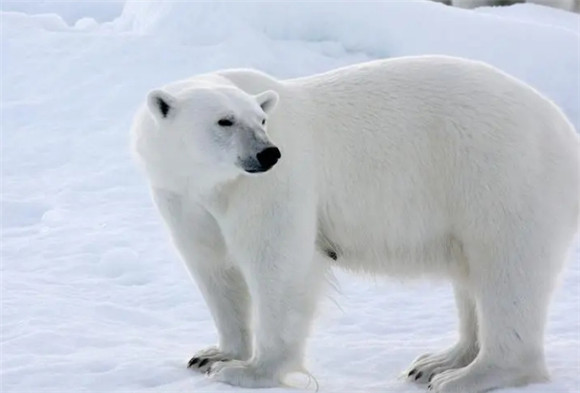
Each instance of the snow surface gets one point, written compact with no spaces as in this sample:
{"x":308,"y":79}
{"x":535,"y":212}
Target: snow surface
{"x":94,"y":299}
{"x":70,"y":11}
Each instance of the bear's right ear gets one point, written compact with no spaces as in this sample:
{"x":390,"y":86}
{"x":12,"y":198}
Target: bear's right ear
{"x":267,"y":100}
{"x":161,"y":104}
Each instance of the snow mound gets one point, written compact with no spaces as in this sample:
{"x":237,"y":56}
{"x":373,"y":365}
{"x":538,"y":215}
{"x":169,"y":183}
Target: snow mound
{"x":538,"y":14}
{"x":69,"y":11}
{"x":386,"y":29}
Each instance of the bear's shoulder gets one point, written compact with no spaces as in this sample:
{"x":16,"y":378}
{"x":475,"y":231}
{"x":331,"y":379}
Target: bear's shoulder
{"x":209,"y":80}
{"x":251,"y":81}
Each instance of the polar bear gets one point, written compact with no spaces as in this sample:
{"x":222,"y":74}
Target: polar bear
{"x":415,"y":166}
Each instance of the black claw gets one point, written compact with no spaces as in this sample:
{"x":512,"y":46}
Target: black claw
{"x":203,"y":363}
{"x":431,"y":377}
{"x":413,"y":371}
{"x":419,"y":375}
{"x":430,"y":387}
{"x":192,"y":362}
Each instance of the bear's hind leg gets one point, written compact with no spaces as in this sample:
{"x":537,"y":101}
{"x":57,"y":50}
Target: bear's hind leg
{"x":425,"y":367}
{"x":512,"y":295}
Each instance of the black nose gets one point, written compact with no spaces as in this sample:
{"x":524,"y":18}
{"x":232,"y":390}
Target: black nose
{"x":268,"y":157}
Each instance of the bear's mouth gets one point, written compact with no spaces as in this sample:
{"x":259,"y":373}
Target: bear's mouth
{"x":255,"y":170}
{"x":254,"y":167}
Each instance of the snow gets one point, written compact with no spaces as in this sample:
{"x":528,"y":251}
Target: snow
{"x":537,"y":14}
{"x":95,"y":299}
{"x":70,"y":11}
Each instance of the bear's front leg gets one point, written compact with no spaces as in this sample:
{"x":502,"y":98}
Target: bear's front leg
{"x":226,"y":295}
{"x":283,"y":312}
{"x":200,"y":243}
{"x":277,"y":258}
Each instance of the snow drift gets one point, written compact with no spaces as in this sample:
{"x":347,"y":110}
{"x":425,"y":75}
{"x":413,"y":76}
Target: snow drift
{"x":376,"y":30}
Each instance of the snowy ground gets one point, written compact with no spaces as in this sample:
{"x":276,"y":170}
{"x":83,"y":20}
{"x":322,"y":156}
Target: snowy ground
{"x":93,"y":297}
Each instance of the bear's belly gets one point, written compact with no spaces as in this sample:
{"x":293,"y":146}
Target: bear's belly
{"x":441,"y":256}
{"x":400,"y":246}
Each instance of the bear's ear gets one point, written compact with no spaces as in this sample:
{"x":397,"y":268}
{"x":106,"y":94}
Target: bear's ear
{"x":267,"y":100}
{"x":161,"y":104}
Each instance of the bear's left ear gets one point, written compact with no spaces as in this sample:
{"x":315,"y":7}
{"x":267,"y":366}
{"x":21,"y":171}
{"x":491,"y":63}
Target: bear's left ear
{"x":161,"y":104}
{"x":267,"y":100}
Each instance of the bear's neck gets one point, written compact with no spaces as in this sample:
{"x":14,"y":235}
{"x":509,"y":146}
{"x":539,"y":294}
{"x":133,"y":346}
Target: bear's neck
{"x":214,"y":196}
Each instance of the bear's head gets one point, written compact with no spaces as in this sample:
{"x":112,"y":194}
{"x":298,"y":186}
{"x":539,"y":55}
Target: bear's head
{"x":215,"y":129}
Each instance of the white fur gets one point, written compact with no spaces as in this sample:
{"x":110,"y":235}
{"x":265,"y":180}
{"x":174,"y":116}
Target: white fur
{"x":413,"y":166}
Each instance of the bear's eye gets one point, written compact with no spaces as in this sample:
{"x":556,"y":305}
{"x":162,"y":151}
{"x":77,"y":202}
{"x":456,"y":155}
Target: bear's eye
{"x":225,"y":122}
{"x":263,"y":121}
